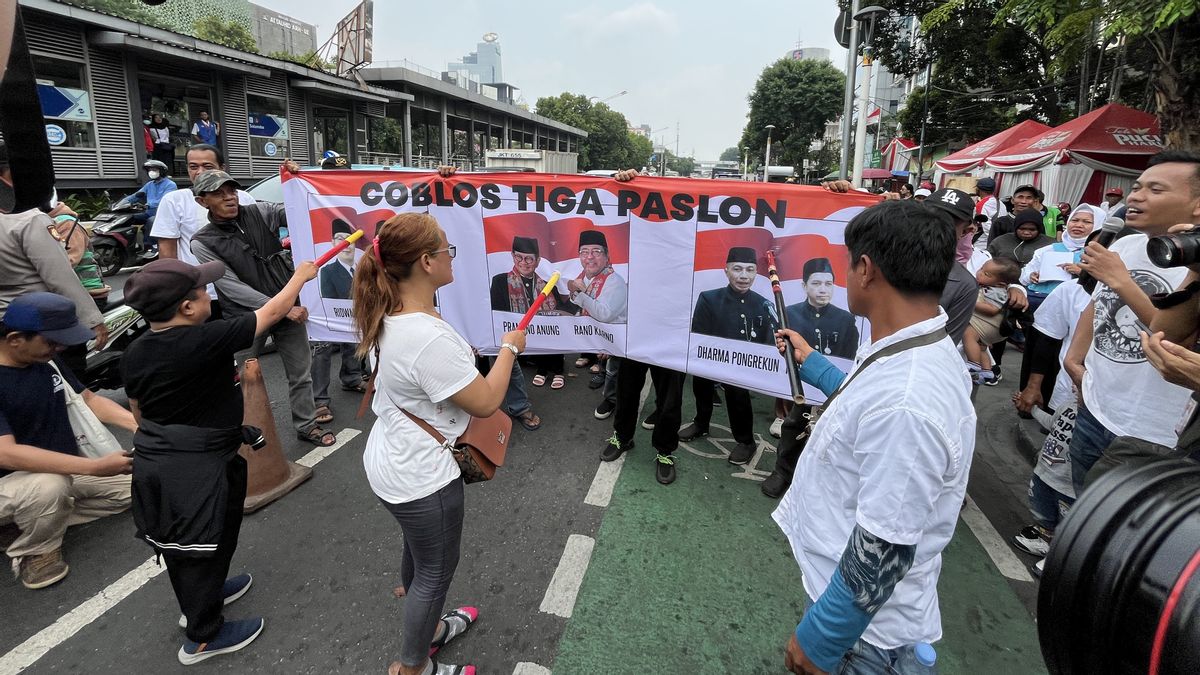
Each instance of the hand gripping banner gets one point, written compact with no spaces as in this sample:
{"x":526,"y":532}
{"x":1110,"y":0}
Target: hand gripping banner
{"x":666,"y":271}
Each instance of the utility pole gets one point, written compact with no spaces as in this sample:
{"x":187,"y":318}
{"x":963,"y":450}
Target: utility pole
{"x":848,"y":102}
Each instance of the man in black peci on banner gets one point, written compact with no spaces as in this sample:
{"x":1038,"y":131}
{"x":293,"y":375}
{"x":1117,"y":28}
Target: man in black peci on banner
{"x":830,"y":329}
{"x":733,"y":312}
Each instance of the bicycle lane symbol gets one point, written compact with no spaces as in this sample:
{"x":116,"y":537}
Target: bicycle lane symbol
{"x":716,"y":446}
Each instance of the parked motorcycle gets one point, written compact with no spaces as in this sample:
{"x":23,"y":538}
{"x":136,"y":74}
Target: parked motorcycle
{"x":119,"y":237}
{"x":103,"y":369}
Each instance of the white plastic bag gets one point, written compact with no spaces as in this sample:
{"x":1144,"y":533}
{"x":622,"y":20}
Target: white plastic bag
{"x":92,"y":437}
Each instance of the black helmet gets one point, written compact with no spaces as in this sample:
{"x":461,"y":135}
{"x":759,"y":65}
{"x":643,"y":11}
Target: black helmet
{"x":155,"y":164}
{"x":335,"y":162}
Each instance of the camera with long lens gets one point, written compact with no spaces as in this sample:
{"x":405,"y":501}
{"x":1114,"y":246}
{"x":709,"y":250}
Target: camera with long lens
{"x":1121,"y":589}
{"x":1175,"y":250}
{"x":253,"y":437}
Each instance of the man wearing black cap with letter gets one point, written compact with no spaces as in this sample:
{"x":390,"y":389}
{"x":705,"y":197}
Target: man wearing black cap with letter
{"x":734,"y":312}
{"x":830,"y":329}
{"x":45,"y":483}
{"x":246,"y":239}
{"x":190,"y":481}
{"x":598,"y":290}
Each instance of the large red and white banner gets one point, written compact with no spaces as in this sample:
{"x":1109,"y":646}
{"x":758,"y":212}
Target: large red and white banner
{"x":635,"y":260}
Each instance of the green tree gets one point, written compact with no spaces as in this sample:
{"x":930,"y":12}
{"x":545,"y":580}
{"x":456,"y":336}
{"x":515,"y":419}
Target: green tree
{"x":609,"y":144}
{"x":953,"y":117}
{"x":1170,"y":28}
{"x":731,"y":155}
{"x":799,"y":98}
{"x":309,"y":59}
{"x":131,"y":10}
{"x":639,"y":152}
{"x":229,"y":33}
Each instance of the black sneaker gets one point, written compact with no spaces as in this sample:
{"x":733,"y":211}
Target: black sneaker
{"x":650,"y":421}
{"x":774,"y":486}
{"x":691,"y":432}
{"x":741,"y":454}
{"x":605,"y":409}
{"x":614,"y":448}
{"x":664,"y":469}
{"x":996,"y":377}
{"x":597,"y":381}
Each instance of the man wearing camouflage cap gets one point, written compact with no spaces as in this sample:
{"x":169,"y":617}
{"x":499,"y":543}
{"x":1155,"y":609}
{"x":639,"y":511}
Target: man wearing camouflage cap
{"x":257,"y":267}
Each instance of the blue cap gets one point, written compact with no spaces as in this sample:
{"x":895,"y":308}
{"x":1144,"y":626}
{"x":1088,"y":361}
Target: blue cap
{"x":47,"y":314}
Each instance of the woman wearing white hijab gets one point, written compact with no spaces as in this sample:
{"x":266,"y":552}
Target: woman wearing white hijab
{"x":1083,"y":221}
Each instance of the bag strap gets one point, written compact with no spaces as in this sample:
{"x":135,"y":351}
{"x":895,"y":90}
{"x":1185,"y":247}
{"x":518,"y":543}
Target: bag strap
{"x":69,"y":393}
{"x":437,"y":436}
{"x":890,"y":350}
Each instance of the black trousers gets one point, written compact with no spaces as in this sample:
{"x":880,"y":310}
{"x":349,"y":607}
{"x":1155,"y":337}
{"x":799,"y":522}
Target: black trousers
{"x":198,"y":581}
{"x":668,"y":395}
{"x":737,"y":403}
{"x":793,"y":437}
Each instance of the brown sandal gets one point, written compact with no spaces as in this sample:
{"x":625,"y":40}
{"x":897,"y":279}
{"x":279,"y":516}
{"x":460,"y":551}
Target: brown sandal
{"x":529,"y":420}
{"x":318,"y":436}
{"x":324,"y":414}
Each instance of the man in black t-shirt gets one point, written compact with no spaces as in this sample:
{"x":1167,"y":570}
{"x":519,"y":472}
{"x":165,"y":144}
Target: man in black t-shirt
{"x":45,"y":483}
{"x":180,"y":380}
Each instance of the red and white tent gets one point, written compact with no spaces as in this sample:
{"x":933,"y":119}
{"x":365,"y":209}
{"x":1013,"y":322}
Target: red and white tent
{"x":1079,"y":160}
{"x":894,"y":156}
{"x":972,"y":157}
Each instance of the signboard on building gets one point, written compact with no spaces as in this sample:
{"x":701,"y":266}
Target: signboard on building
{"x":269,"y":126}
{"x":514,"y":154}
{"x":55,"y":135}
{"x":64,"y":103}
{"x":353,"y":38}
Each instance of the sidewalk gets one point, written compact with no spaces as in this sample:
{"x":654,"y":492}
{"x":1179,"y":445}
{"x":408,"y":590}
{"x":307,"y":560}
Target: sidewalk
{"x":696,"y":578}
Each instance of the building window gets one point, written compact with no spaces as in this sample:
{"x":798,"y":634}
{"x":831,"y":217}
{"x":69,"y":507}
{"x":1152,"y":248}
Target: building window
{"x":66,"y":103}
{"x":386,"y":136}
{"x":268,"y":126}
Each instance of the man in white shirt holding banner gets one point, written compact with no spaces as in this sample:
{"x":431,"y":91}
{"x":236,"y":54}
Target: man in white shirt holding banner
{"x":877,"y":492}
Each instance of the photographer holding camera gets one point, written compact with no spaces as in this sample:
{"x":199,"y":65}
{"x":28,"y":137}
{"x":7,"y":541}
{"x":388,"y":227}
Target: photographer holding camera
{"x":1127,"y":409}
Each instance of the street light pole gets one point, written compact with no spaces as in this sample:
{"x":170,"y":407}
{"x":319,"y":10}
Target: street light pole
{"x":867,"y":15}
{"x":848,"y":103}
{"x":767,"y":162}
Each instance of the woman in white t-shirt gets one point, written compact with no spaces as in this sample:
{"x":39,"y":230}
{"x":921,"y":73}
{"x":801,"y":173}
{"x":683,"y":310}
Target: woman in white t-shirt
{"x":426,"y":368}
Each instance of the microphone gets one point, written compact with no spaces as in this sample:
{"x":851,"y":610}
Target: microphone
{"x":1108,"y":234}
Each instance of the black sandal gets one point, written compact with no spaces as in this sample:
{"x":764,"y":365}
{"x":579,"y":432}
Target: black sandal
{"x":318,"y":436}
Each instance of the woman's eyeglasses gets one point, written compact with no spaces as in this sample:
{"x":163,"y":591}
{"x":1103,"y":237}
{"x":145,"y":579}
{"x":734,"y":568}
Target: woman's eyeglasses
{"x":451,"y":249}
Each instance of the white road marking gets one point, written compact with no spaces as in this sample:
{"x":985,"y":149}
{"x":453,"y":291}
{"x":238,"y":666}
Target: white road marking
{"x":343,"y":437}
{"x":1002,"y":556}
{"x":28,"y":652}
{"x":564,"y":585}
{"x":527,"y":668}
{"x":600,"y":494}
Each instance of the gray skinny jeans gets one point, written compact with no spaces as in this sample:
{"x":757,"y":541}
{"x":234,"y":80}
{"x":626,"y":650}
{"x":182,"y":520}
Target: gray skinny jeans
{"x":432,"y":529}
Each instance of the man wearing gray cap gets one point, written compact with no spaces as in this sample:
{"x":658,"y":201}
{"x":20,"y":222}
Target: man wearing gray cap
{"x":257,"y":267}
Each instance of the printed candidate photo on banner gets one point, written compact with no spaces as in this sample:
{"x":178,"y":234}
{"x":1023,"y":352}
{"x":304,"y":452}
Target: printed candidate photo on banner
{"x":588,"y":308}
{"x":734,"y":316}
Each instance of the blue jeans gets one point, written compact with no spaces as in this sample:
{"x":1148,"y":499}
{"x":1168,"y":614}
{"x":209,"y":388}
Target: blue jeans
{"x":1046,"y":504}
{"x":1088,"y":442}
{"x":516,"y":401}
{"x":867,"y":659}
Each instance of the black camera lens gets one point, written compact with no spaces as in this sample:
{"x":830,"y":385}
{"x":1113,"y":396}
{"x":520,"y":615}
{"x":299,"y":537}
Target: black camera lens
{"x":1121,"y":589}
{"x":1175,"y":250}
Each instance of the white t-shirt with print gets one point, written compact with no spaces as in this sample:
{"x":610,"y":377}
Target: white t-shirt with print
{"x":1057,"y":317}
{"x":1120,"y":387}
{"x":422,"y":363}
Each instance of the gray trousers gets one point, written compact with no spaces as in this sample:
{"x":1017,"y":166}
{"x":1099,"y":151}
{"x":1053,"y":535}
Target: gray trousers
{"x":291,"y":341}
{"x":350,"y":373}
{"x":432,"y":529}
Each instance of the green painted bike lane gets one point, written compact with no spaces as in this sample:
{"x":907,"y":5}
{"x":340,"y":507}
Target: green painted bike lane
{"x":695,"y":577}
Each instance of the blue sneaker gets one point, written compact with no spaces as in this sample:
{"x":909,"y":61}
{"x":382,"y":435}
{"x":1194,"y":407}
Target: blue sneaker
{"x":234,"y":588}
{"x":233,"y":636}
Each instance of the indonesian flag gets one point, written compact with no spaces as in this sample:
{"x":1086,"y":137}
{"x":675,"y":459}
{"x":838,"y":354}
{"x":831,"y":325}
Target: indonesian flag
{"x":874,"y":113}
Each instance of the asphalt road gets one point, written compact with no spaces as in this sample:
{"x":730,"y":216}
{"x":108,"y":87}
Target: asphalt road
{"x":326,"y":558}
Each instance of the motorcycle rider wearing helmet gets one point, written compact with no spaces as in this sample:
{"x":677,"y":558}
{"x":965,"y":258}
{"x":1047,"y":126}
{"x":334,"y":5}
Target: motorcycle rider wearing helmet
{"x":151,"y":194}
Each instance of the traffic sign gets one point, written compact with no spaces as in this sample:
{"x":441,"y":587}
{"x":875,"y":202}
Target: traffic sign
{"x":841,"y":29}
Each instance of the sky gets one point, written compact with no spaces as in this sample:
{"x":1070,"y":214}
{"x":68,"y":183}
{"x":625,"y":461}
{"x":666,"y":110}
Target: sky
{"x":686,"y":63}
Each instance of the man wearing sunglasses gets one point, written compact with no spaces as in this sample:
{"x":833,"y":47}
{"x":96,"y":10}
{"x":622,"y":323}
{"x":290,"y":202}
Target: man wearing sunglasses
{"x":598,"y":290}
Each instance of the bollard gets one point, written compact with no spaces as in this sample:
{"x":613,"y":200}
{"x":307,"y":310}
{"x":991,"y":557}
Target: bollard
{"x":270,"y":475}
